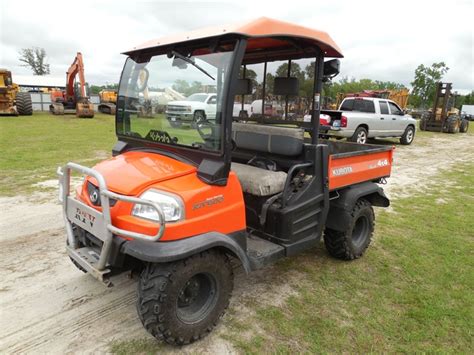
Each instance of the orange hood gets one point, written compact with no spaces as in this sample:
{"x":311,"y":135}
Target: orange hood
{"x":130,"y":173}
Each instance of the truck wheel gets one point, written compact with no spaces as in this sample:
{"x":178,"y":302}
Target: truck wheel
{"x":464,"y":126}
{"x":360,"y":136}
{"x":423,"y":124}
{"x":353,"y":242}
{"x":23,"y":104}
{"x":408,"y":136}
{"x":174,"y":124}
{"x":181,"y":302}
{"x":199,"y":117}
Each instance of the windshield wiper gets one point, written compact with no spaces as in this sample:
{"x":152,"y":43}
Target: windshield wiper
{"x":190,"y":61}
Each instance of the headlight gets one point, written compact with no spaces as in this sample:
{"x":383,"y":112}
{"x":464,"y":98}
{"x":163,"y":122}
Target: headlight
{"x":189,"y":109}
{"x":171,"y":205}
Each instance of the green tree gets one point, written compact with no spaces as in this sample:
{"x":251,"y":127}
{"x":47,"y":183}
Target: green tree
{"x":295,"y":71}
{"x":424,"y":83}
{"x":35,"y":58}
{"x":181,"y":86}
{"x":95,"y":89}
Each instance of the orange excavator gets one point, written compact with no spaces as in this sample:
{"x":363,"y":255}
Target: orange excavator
{"x":74,"y":99}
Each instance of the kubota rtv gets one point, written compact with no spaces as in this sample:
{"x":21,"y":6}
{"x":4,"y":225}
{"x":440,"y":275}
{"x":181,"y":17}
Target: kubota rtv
{"x":177,"y":203}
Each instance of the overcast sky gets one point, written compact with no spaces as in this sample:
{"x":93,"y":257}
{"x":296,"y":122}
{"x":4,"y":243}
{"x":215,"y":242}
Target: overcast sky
{"x":380,"y":40}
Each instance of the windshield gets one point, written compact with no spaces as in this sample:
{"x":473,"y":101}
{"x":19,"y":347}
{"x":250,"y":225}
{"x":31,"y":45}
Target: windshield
{"x":197,"y":97}
{"x":164,"y":98}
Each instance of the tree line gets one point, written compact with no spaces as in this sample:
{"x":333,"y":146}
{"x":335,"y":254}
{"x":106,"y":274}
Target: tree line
{"x":421,"y":95}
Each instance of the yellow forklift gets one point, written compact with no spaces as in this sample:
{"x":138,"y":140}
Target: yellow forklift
{"x":444,"y":117}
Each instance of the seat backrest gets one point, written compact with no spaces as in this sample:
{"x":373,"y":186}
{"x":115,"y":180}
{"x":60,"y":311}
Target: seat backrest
{"x":268,"y":139}
{"x":286,"y":86}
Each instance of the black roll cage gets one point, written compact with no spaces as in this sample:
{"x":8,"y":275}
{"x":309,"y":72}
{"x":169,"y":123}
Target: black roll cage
{"x":214,"y":167}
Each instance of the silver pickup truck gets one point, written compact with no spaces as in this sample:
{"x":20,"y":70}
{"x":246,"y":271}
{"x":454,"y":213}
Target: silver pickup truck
{"x":368,"y":117}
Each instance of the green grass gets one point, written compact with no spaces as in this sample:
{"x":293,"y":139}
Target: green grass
{"x":138,"y":346}
{"x":411,"y":292}
{"x":34,"y":146}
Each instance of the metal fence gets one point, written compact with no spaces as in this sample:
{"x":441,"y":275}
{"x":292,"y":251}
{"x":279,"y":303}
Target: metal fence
{"x":41,"y":101}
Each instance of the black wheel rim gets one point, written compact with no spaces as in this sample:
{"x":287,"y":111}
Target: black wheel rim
{"x":199,"y":117}
{"x":197,"y":298}
{"x":360,"y":231}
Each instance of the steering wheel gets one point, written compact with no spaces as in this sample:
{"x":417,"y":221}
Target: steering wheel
{"x":263,"y":163}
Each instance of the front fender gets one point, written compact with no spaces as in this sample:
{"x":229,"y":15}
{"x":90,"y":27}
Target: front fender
{"x":162,"y":252}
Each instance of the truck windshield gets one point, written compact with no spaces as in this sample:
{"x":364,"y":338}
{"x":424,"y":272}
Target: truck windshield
{"x":174,"y":98}
{"x":197,"y":97}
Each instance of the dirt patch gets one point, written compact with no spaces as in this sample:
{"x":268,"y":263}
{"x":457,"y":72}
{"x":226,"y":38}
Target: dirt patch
{"x":414,"y":165}
{"x":47,"y":305}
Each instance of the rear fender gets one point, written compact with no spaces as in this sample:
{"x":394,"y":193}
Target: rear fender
{"x":162,"y":252}
{"x":339,"y":216}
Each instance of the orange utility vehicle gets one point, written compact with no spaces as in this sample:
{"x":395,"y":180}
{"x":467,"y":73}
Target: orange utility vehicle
{"x":177,"y":204}
{"x":75,"y":99}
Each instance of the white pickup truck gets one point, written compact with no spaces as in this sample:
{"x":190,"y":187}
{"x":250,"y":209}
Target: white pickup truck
{"x":195,"y":108}
{"x":368,"y":117}
{"x":199,"y":107}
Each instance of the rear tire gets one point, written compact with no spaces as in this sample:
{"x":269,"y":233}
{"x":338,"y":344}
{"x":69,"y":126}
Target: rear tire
{"x":464,"y":126}
{"x":352,"y":243}
{"x":360,"y":136}
{"x":408,"y":136}
{"x":182,"y":301}
{"x":23,"y":104}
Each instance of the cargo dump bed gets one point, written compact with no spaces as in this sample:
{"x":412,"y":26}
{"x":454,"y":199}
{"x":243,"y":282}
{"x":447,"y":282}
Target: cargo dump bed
{"x":352,"y":163}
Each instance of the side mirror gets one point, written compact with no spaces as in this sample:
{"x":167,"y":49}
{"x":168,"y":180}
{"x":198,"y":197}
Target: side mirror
{"x":331,"y":69}
{"x":142,"y":81}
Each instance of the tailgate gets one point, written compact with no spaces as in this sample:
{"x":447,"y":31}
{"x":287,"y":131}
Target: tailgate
{"x":360,"y":166}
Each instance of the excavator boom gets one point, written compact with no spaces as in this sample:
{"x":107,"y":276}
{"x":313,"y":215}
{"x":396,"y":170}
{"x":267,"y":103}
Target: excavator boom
{"x":74,"y":98}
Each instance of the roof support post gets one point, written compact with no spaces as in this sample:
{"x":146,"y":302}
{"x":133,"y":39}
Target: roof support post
{"x":317,"y":92}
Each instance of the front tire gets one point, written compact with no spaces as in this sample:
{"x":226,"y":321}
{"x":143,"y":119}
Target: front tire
{"x":174,"y":124}
{"x":453,"y":125}
{"x":352,"y":243}
{"x":199,"y":117}
{"x":408,"y":136}
{"x":360,"y":136}
{"x":182,"y":301}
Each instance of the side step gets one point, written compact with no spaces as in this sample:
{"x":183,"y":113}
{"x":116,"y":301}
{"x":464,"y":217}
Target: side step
{"x":88,"y":258}
{"x":261,"y":252}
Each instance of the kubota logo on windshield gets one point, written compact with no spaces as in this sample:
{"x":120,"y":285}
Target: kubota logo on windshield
{"x":342,"y":171}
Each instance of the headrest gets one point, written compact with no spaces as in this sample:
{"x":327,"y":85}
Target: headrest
{"x":268,"y":139}
{"x":243,"y":87}
{"x":286,"y":86}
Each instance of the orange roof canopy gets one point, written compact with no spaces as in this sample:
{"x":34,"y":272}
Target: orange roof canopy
{"x":262,"y":27}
